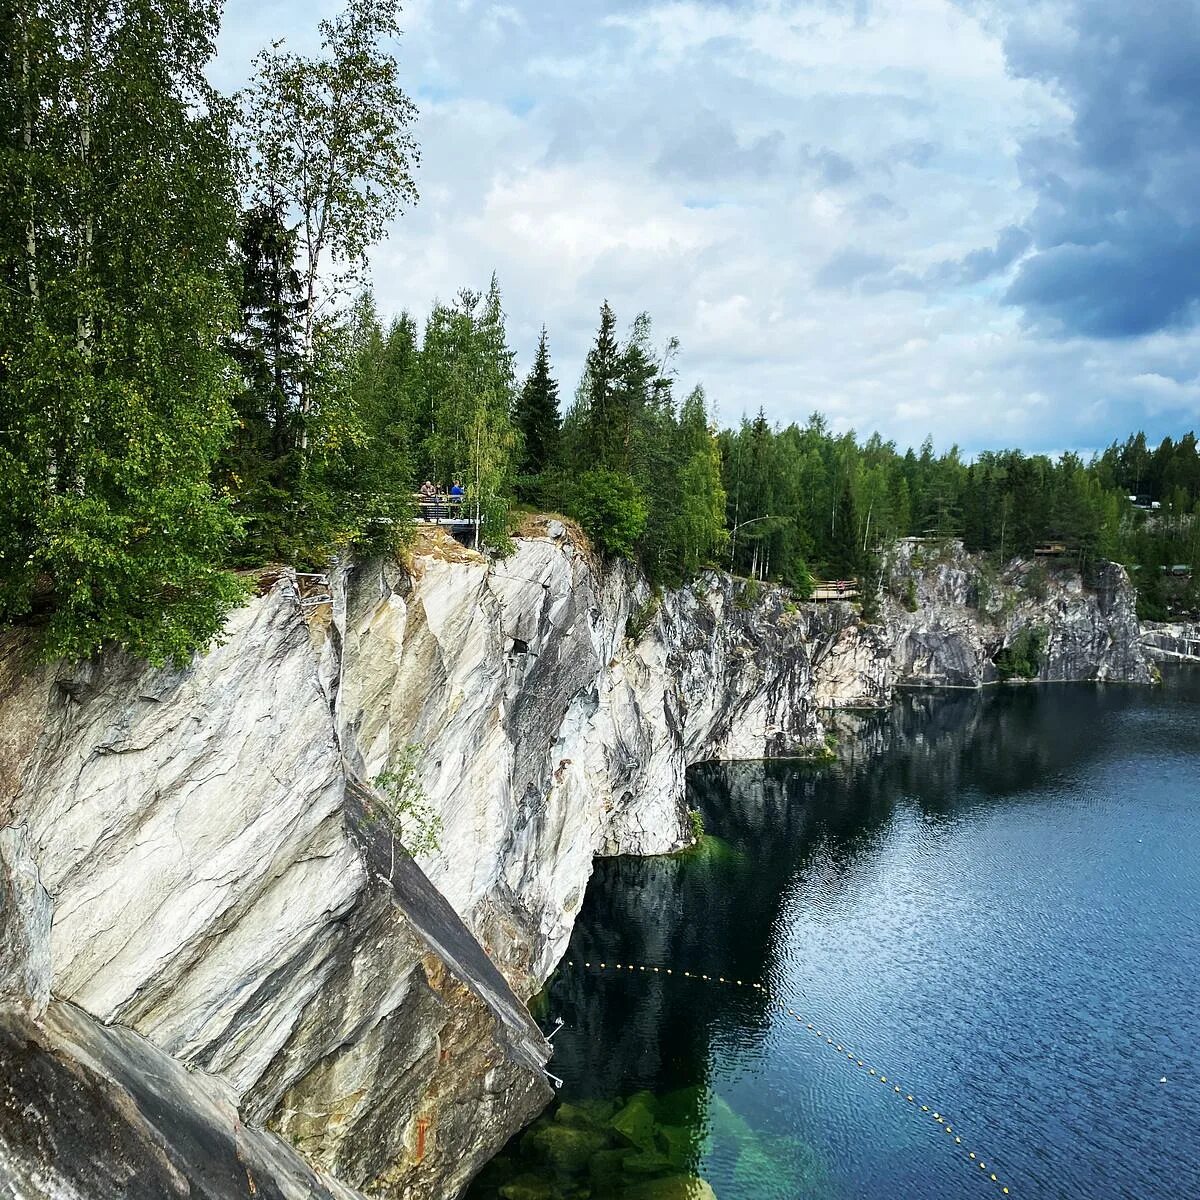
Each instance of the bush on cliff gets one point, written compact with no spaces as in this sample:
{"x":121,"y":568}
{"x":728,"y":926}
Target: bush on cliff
{"x":611,"y":510}
{"x":1022,"y":657}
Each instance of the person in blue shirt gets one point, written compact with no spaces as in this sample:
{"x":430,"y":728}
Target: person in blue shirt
{"x":456,"y":493}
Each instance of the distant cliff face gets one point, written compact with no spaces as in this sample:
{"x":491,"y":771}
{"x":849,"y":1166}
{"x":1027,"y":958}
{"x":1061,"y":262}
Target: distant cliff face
{"x":195,"y":858}
{"x":967,"y":613}
{"x":1171,"y":641}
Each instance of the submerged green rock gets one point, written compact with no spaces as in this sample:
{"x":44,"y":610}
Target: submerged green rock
{"x":565,"y":1149}
{"x":681,"y":1146}
{"x":530,"y":1187}
{"x":643,"y":1148}
{"x":673,"y":1187}
{"x":608,"y":1171}
{"x":709,"y":851}
{"x":638,"y":1121}
{"x":586,"y":1114}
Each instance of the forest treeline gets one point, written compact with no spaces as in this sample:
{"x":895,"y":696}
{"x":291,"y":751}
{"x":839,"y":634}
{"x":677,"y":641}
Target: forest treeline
{"x":194,"y":379}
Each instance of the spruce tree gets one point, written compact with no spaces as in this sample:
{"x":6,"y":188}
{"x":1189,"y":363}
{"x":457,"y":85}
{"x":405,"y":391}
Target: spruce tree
{"x":260,"y":466}
{"x":538,"y":421}
{"x":601,"y":429}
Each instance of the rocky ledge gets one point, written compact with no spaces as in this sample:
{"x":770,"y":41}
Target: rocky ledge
{"x":191,"y":874}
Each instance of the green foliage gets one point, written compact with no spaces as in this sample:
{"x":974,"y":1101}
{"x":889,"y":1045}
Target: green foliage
{"x":910,"y":595}
{"x":402,"y":800}
{"x":1036,"y":582}
{"x":696,"y":823}
{"x":1022,"y":657}
{"x":639,"y":622}
{"x":114,"y":378}
{"x":467,"y":387}
{"x":625,"y":422}
{"x":329,"y":141}
{"x":611,"y":510}
{"x":749,"y":594}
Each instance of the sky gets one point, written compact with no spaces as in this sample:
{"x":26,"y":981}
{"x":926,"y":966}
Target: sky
{"x":972,"y":219}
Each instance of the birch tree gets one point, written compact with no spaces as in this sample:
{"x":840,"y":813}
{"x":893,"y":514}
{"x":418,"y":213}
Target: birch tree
{"x":330,"y":141}
{"x":114,"y":385}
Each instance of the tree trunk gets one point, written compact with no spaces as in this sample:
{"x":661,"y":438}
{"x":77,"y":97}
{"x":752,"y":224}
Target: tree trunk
{"x":27,"y":143}
{"x":85,"y":321}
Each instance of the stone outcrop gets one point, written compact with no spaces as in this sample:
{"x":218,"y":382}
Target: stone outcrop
{"x":559,"y":707}
{"x":1171,"y":641}
{"x":197,"y":880}
{"x":965,"y":613}
{"x":92,"y":1111}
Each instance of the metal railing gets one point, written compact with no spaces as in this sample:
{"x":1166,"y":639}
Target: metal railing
{"x":443,"y":508}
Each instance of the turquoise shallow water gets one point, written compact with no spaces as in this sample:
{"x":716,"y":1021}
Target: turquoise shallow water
{"x":993,"y":899}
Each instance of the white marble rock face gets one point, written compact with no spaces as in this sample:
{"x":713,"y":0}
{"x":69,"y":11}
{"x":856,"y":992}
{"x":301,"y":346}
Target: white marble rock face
{"x":182,"y":858}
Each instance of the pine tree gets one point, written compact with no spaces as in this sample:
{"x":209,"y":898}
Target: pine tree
{"x":538,"y":421}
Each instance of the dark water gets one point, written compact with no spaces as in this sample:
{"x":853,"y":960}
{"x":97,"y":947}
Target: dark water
{"x":993,"y":901}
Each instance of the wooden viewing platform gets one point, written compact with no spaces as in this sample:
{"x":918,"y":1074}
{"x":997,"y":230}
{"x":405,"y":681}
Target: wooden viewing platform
{"x":834,"y":589}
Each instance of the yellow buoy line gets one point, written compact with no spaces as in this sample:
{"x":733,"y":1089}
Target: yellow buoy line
{"x":839,"y":1048}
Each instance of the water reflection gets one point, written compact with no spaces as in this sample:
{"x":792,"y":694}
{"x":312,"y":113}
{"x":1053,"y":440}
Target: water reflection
{"x":992,"y":894}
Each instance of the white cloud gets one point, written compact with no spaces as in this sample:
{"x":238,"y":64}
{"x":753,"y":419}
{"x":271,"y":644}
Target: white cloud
{"x":705,"y":162}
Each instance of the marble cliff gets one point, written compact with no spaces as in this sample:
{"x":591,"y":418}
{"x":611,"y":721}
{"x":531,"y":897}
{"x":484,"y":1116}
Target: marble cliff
{"x":214,"y":963}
